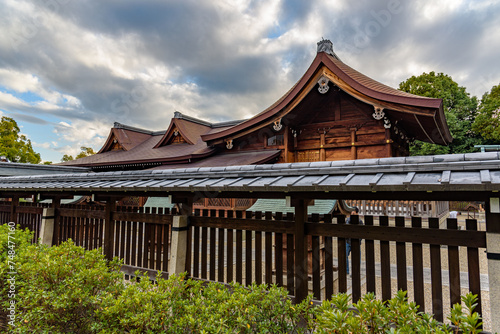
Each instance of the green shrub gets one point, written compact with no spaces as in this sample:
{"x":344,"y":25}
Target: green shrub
{"x":397,"y":315}
{"x":187,"y":306}
{"x":58,"y":289}
{"x":12,"y":241}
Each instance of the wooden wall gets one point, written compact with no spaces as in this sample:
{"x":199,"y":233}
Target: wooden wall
{"x":334,"y":126}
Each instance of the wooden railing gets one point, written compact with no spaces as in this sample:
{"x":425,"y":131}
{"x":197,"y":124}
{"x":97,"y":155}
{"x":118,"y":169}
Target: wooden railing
{"x":424,"y":209}
{"x":387,"y":253}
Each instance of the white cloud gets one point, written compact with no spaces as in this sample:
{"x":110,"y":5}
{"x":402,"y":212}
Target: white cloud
{"x":78,"y":134}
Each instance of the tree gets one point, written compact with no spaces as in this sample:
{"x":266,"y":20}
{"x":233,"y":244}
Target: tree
{"x":487,"y":122}
{"x":459,"y":107}
{"x":16,"y":147}
{"x":67,"y":157}
{"x":85,"y":152}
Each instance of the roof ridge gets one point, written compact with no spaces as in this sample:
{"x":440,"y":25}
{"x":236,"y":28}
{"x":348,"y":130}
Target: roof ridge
{"x":117,"y":125}
{"x":179,"y":115}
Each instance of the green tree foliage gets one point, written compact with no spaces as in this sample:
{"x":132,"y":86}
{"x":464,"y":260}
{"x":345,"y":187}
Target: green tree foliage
{"x":459,"y":107}
{"x":85,"y":152}
{"x":487,"y":122}
{"x":16,"y":147}
{"x":67,"y":157}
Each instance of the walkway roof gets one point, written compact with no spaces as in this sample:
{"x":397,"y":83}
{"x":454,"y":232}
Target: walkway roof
{"x":473,"y":172}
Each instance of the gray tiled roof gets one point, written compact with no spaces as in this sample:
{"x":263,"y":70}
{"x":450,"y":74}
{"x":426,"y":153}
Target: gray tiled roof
{"x":468,"y":172}
{"x":19,"y":169}
{"x":321,"y":206}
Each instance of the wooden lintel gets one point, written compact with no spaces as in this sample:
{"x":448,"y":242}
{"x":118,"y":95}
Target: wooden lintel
{"x":110,"y":196}
{"x":20,"y":194}
{"x":43,"y":196}
{"x":183,"y":199}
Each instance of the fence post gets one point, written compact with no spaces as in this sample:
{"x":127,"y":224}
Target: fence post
{"x":13,"y":209}
{"x":47,"y":227}
{"x":492,"y":213}
{"x":179,"y":245}
{"x":301,"y":279}
{"x":109,"y":229}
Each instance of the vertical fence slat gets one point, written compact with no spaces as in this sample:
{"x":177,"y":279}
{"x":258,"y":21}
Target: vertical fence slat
{"x":248,"y":252}
{"x":370,"y":259}
{"x":290,"y":259}
{"x":220,"y":251}
{"x":278,"y":253}
{"x":152,"y":242}
{"x":269,"y":252}
{"x":258,"y":252}
{"x":401,"y":259}
{"x":229,"y":251}
{"x":385,"y":263}
{"x":473,"y":266}
{"x":212,"y":254}
{"x":196,"y":252}
{"x":418,"y":268}
{"x":166,"y":243}
{"x":315,"y":263}
{"x":436,"y":278}
{"x":342,"y":258}
{"x":453,"y":266}
{"x":141,"y":233}
{"x":328,"y":262}
{"x":204,"y":250}
{"x":355,"y":263}
{"x":133,"y":257}
{"x":239,"y":251}
{"x":147,"y":242}
{"x":212,"y":249}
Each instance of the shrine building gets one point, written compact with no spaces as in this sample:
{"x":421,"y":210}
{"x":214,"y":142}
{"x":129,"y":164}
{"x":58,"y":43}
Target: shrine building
{"x":332,"y":113}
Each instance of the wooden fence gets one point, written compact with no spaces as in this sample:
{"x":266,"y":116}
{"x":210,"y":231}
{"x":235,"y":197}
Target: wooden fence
{"x":424,"y":209}
{"x":259,"y":247}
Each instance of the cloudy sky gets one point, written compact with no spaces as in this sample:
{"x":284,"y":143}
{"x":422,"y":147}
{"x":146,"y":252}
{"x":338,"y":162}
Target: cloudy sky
{"x":69,"y":68}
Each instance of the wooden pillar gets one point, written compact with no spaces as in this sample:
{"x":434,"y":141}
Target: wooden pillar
{"x":109,"y":228}
{"x":388,"y":148}
{"x":492,"y":212}
{"x":56,"y":204}
{"x":47,"y":227}
{"x":179,"y":239}
{"x":300,"y":266}
{"x":288,"y":143}
{"x":13,"y":209}
{"x":322,"y":152}
{"x":354,"y":151}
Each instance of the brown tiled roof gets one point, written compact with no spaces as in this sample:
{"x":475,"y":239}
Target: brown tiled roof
{"x":354,"y":79}
{"x":127,"y":137}
{"x":143,"y":146}
{"x":145,"y":151}
{"x":375,"y":89}
{"x":229,"y":159}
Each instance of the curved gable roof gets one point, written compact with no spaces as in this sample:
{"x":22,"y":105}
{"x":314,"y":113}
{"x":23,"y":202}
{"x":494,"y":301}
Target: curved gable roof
{"x":190,"y":131}
{"x":126,"y":136}
{"x":354,"y":83}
